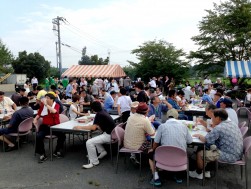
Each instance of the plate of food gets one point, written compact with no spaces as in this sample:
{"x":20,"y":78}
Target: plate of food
{"x":83,"y":121}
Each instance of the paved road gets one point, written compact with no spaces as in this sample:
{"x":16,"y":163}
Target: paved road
{"x":19,"y":169}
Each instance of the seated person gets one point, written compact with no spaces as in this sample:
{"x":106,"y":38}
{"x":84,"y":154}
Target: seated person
{"x":156,"y":108}
{"x":248,"y":98}
{"x":49,"y":111}
{"x":181,"y":101}
{"x":224,"y":133}
{"x":85,"y":100}
{"x":217,"y":98}
{"x":124,"y":105}
{"x":206,"y":97}
{"x":74,"y":110}
{"x":19,"y":93}
{"x":227,"y":104}
{"x":109,"y":102}
{"x":6,"y":103}
{"x":173,"y":133}
{"x":32,"y":95}
{"x":104,"y":122}
{"x":18,"y":116}
{"x":172,"y":100}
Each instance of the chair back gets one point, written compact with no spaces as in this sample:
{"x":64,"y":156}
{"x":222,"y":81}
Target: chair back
{"x":113,"y":136}
{"x":25,"y":125}
{"x":63,"y":118}
{"x":247,"y":146}
{"x":122,"y":125}
{"x":242,"y":124}
{"x":119,"y":133}
{"x":244,"y":131}
{"x":170,"y":156}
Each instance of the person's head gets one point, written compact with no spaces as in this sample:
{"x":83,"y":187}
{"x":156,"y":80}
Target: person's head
{"x":172,"y":94}
{"x":75,"y":98}
{"x":122,"y":91}
{"x":70,"y":81}
{"x":1,"y":96}
{"x":193,"y":89}
{"x":142,"y":108}
{"x":206,"y":91}
{"x":139,"y":86}
{"x":219,"y":90}
{"x":158,"y":90}
{"x":218,"y":80}
{"x":53,"y":88}
{"x":50,"y":98}
{"x":39,"y":88}
{"x":83,"y":94}
{"x":113,"y":94}
{"x":27,"y":82}
{"x":96,"y":106}
{"x":24,"y":101}
{"x":103,"y":91}
{"x":172,"y":113}
{"x":17,"y":89}
{"x":226,"y":103}
{"x":249,"y":90}
{"x":22,"y":91}
{"x":219,"y":115}
{"x":155,"y":100}
{"x":134,"y":106}
{"x":217,"y":96}
{"x":209,"y":110}
{"x":181,"y":93}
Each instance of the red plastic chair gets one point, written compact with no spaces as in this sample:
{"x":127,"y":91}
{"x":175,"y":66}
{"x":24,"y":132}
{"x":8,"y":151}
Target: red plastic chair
{"x":24,"y":128}
{"x":119,"y":133}
{"x":171,"y":158}
{"x":242,"y":162}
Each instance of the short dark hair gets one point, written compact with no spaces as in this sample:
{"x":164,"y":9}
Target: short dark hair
{"x":112,"y":92}
{"x":181,"y":92}
{"x":96,"y":106}
{"x":211,"y":107}
{"x":53,"y":87}
{"x":219,"y":90}
{"x":221,"y":113}
{"x":75,"y":98}
{"x":122,"y":91}
{"x":17,"y":90}
{"x":1,"y":93}
{"x":22,"y":89}
{"x":140,"y":85}
{"x":171,"y":93}
{"x":23,"y":100}
{"x":51,"y":96}
{"x":153,"y":98}
{"x":39,"y":87}
{"x":205,"y":90}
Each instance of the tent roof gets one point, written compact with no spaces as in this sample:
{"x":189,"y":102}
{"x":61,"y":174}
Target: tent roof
{"x":240,"y":69}
{"x":94,"y":71}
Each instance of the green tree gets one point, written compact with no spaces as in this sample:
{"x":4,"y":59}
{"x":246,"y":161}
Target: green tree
{"x":92,"y":60}
{"x":130,"y":71}
{"x":32,"y":64}
{"x":6,"y":58}
{"x":159,"y":58}
{"x":225,"y":34}
{"x":54,"y":72}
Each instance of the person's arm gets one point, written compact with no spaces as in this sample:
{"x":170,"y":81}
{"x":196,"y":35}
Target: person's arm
{"x":90,"y":127}
{"x":169,"y":106}
{"x":14,"y":106}
{"x":201,"y":137}
{"x":119,"y":109}
{"x":155,"y":145}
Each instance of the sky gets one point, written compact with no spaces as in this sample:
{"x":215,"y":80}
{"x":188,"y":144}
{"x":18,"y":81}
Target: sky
{"x":114,"y":27}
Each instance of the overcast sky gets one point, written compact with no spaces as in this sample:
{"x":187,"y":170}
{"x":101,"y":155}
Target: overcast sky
{"x":115,"y":26}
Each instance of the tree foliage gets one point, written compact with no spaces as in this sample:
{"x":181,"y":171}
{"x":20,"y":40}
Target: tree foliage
{"x":159,"y":58}
{"x":225,"y":34}
{"x":130,"y":71}
{"x":32,"y":64}
{"x":92,"y":60}
{"x":6,"y":58}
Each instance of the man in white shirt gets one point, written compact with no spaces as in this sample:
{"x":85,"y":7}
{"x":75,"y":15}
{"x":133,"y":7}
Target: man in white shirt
{"x":207,"y":82}
{"x":34,"y":82}
{"x":6,"y":103}
{"x":226,"y":103}
{"x":152,"y":83}
{"x":124,"y":105}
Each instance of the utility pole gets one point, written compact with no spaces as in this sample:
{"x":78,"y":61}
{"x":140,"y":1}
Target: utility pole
{"x":56,"y":53}
{"x":56,"y":28}
{"x":109,"y":54}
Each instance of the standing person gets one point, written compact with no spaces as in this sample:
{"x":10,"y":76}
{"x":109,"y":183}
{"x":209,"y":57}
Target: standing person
{"x":141,"y":95}
{"x":49,"y":111}
{"x":69,"y":88}
{"x":127,"y":83}
{"x":34,"y":82}
{"x":65,"y":82}
{"x":104,"y":122}
{"x":95,"y":88}
{"x":124,"y":105}
{"x":27,"y":87}
{"x":121,"y":82}
{"x":47,"y":84}
{"x":115,"y":85}
{"x":166,"y":85}
{"x":152,"y":83}
{"x":207,"y":82}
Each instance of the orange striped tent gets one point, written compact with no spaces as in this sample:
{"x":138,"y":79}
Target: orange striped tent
{"x":94,"y":71}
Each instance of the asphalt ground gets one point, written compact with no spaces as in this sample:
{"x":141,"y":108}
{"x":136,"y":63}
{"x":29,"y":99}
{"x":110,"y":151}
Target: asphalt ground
{"x":20,"y":169}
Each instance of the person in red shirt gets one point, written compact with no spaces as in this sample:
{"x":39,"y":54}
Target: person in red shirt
{"x":49,"y":111}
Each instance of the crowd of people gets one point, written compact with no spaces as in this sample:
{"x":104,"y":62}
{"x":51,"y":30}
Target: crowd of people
{"x":152,"y":109}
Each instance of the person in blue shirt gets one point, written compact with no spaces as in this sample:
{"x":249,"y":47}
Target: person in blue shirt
{"x":206,"y":97}
{"x":109,"y":101}
{"x":68,"y":91}
{"x":156,"y":108}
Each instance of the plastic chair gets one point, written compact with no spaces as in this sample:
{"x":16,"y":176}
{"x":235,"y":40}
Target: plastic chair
{"x":242,"y":124}
{"x":63,"y":118}
{"x":171,"y":158}
{"x":242,"y":162}
{"x":244,"y":131}
{"x":119,"y":133}
{"x":24,"y":128}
